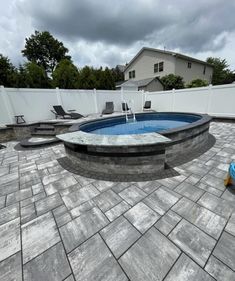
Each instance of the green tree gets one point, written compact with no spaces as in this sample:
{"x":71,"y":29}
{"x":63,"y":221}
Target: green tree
{"x":118,"y":75}
{"x":8,"y":73}
{"x":22,"y":77}
{"x":107,"y":80}
{"x":65,"y":76}
{"x":35,"y":76}
{"x":221,"y":73}
{"x":197,"y":83}
{"x":172,"y":81}
{"x":44,"y":50}
{"x":86,"y":78}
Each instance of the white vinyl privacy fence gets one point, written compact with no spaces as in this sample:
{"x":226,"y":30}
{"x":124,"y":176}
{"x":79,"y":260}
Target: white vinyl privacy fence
{"x":214,"y":100}
{"x":36,"y":104}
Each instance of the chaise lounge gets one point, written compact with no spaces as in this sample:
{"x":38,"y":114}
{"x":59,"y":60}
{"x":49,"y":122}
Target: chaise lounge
{"x":109,"y":108}
{"x":147,"y":105}
{"x":125,"y":107}
{"x":59,"y":112}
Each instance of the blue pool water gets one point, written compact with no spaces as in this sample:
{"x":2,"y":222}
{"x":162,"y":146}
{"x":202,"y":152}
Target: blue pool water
{"x":139,"y":127}
{"x":145,"y":123}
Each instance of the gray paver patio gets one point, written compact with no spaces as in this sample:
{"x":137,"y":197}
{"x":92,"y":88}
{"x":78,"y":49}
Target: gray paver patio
{"x":225,"y":250}
{"x":142,"y":217}
{"x":150,"y":258}
{"x":38,"y":235}
{"x":11,"y":269}
{"x":162,"y":200}
{"x":10,"y":238}
{"x":93,"y":261}
{"x":219,"y":270}
{"x":52,"y":265}
{"x":186,"y":269}
{"x":81,"y":228}
{"x":206,"y":220}
{"x":56,"y":225}
{"x":193,"y":241}
{"x":119,"y":236}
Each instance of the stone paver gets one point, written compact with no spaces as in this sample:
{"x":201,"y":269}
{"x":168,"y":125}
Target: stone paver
{"x":63,"y":183}
{"x":93,"y":261}
{"x":217,"y":205}
{"x":225,"y":250}
{"x":187,"y":269}
{"x":11,"y":269}
{"x":119,"y":236}
{"x":177,"y":228}
{"x":230,"y":227}
{"x":132,"y":194}
{"x":76,"y":198}
{"x":117,"y":210}
{"x":150,"y":258}
{"x":193,"y":241}
{"x":9,"y":188}
{"x":38,"y":235}
{"x":2,"y":201}
{"x":142,"y":217}
{"x":9,"y":213}
{"x":49,"y":203}
{"x":162,"y":200}
{"x":77,"y":211}
{"x":52,"y":265}
{"x":190,"y":191}
{"x":107,"y":200}
{"x":9,"y":238}
{"x":18,"y":195}
{"x":82,"y":228}
{"x":206,"y":220}
{"x":103,"y":185}
{"x":167,"y":222}
{"x":219,"y":270}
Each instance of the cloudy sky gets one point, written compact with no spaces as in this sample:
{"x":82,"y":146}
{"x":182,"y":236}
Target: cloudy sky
{"x":110,"y":32}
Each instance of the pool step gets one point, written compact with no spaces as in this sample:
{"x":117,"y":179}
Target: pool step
{"x":45,"y":127}
{"x":43,"y":133}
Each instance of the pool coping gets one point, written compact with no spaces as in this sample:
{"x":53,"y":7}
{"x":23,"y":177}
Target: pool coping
{"x":163,"y":138}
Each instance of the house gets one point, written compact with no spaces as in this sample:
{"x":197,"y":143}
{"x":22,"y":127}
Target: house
{"x":149,"y":84}
{"x":151,"y":63}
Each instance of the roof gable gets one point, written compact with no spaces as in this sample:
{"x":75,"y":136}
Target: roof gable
{"x":167,"y":53}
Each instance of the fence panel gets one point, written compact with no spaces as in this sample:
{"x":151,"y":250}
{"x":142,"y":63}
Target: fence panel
{"x":83,"y":101}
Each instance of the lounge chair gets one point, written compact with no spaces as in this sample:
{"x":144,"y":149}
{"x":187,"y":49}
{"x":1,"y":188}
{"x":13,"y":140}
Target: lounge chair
{"x":147,"y":105}
{"x":109,"y":108}
{"x":125,"y":107}
{"x":59,"y":112}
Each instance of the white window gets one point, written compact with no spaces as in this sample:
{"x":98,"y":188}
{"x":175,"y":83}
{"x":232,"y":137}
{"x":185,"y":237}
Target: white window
{"x":189,"y":65}
{"x":161,"y":66}
{"x":158,"y":67}
{"x":204,"y":70}
{"x":155,"y":67}
{"x":132,"y":74}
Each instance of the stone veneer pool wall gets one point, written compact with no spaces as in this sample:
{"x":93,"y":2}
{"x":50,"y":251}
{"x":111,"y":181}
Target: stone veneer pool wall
{"x":134,"y":154}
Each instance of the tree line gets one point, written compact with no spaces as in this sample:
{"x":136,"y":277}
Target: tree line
{"x":49,"y":65}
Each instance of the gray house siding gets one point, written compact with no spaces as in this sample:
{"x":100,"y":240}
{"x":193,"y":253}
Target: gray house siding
{"x":195,"y":72}
{"x":153,"y":86}
{"x":144,"y":65}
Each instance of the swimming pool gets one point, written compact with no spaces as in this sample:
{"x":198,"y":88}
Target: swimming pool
{"x":112,"y":149}
{"x":144,"y":123}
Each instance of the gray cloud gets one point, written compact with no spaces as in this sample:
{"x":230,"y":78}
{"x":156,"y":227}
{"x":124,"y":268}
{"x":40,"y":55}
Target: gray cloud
{"x":177,"y":24}
{"x":112,"y":32}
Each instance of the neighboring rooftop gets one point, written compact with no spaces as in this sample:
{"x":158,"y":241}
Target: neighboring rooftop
{"x":138,"y":83}
{"x":166,"y":52}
